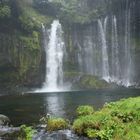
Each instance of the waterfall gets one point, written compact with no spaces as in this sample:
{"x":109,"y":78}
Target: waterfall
{"x":109,"y":56}
{"x":54,"y":49}
{"x":115,"y":63}
{"x":86,"y":54}
{"x":102,"y":51}
{"x":105,"y":64}
{"x":127,"y":53}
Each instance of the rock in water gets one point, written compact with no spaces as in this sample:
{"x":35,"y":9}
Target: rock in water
{"x":4,"y":120}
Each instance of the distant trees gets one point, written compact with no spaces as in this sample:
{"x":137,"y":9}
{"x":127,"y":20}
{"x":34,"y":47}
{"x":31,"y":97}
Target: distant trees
{"x":5,"y":9}
{"x":72,"y":11}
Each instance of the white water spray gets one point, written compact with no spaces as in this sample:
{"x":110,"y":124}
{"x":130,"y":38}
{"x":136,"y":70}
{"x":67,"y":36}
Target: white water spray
{"x":54,"y":59}
{"x":105,"y":64}
{"x":115,"y":64}
{"x":127,"y":79}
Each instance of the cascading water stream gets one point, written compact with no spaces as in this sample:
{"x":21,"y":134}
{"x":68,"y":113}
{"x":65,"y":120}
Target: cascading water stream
{"x":98,"y":53}
{"x":105,"y":64}
{"x":115,"y":64}
{"x":54,"y":58}
{"x":109,"y":56}
{"x":127,"y":54}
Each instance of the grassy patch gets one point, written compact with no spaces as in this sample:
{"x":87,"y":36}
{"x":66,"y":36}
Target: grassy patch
{"x":84,"y":110}
{"x":115,"y":121}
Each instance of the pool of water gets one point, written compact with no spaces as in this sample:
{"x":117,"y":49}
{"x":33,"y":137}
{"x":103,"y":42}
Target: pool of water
{"x":29,"y":108}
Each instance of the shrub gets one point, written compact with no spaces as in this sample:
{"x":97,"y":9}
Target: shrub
{"x":84,"y":110}
{"x":83,"y":123}
{"x":92,"y":133}
{"x":5,"y":11}
{"x":119,"y":120}
{"x":26,"y":132}
{"x":56,"y":124}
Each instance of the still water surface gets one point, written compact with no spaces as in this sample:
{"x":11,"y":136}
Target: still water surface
{"x":29,"y":108}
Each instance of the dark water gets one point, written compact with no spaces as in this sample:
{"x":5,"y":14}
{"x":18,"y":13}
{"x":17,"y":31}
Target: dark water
{"x":28,"y":108}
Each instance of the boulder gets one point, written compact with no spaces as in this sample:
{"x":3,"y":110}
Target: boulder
{"x":4,"y":120}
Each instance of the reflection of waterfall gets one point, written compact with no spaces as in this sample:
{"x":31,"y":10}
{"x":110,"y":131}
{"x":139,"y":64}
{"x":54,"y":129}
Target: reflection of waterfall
{"x":54,"y":105}
{"x":105,"y":65}
{"x":54,"y":58}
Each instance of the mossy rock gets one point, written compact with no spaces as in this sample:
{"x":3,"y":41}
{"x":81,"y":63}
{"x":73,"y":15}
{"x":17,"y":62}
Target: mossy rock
{"x":89,"y":81}
{"x":84,"y":110}
{"x":55,"y":124}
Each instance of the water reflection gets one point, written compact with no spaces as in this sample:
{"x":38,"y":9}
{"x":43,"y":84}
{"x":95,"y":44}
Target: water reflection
{"x":54,"y":104}
{"x":31,"y":107}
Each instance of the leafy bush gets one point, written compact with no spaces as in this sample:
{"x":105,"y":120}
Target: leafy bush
{"x":83,"y":123}
{"x":5,"y":11}
{"x":26,"y":133}
{"x":31,"y":20}
{"x":115,"y":121}
{"x":92,"y":133}
{"x":124,"y":116}
{"x":56,"y":124}
{"x":84,"y":110}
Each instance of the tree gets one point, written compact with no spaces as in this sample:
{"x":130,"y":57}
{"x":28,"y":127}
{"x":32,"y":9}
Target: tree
{"x":5,"y":9}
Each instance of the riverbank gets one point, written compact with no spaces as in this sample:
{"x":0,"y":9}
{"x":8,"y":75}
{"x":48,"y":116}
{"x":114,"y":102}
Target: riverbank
{"x":116,"y":120}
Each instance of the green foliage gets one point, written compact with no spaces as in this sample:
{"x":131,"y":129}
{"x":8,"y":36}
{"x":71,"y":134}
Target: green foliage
{"x":92,"y":133}
{"x":31,"y":42}
{"x":26,"y":133}
{"x":30,"y":55}
{"x":83,"y":123}
{"x":72,"y":11}
{"x":124,"y":116}
{"x":5,"y":11}
{"x":30,"y":20}
{"x":119,"y":120}
{"x":56,"y":124}
{"x":84,"y":110}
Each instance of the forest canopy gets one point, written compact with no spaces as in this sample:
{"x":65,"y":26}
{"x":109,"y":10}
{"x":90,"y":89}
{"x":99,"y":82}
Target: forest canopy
{"x":72,"y":11}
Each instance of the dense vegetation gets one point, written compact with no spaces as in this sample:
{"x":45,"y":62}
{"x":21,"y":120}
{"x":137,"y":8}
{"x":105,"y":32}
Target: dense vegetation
{"x":20,"y":25}
{"x":73,"y":11}
{"x":20,"y":45}
{"x":115,"y":121}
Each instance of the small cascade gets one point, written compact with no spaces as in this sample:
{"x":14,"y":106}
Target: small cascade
{"x":86,"y":54}
{"x":107,"y":57}
{"x":54,"y":49}
{"x":105,"y":64}
{"x":126,"y":79}
{"x":115,"y":63}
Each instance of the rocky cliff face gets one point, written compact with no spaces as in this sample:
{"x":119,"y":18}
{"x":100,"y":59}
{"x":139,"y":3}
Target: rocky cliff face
{"x":121,"y":29}
{"x":22,"y":58}
{"x":21,"y":51}
{"x":20,"y":64}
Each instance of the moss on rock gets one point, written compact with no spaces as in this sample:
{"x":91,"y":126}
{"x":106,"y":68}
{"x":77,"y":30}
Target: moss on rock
{"x":84,"y":110}
{"x":54,"y":124}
